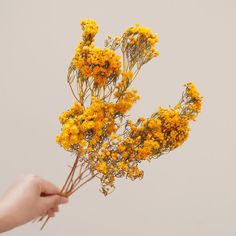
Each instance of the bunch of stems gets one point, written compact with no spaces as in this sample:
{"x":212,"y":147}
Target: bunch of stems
{"x":78,"y":176}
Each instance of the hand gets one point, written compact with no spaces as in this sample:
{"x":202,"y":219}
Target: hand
{"x":29,"y":197}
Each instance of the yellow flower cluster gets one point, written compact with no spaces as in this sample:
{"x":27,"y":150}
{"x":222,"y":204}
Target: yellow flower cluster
{"x":102,"y":65}
{"x":86,"y":126}
{"x":106,"y":146}
{"x":90,"y":29}
{"x":138,"y":45}
{"x":76,"y":109}
{"x":192,"y":101}
{"x":146,"y":139}
{"x":126,"y":101}
{"x":138,"y":34}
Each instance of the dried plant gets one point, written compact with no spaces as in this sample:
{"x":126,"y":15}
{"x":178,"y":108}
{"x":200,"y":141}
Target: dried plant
{"x":106,"y":144}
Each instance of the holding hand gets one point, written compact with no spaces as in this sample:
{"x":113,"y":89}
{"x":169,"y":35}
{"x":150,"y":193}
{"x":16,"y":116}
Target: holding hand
{"x":29,"y":197}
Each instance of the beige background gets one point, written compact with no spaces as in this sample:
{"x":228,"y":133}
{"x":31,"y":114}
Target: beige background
{"x":189,"y":192}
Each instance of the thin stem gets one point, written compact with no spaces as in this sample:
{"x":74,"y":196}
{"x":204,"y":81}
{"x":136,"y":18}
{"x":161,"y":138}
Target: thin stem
{"x":82,"y":184}
{"x":70,"y":174}
{"x":68,"y":189}
{"x":73,"y":92}
{"x":45,"y":222}
{"x":78,"y":179}
{"x":123,"y":56}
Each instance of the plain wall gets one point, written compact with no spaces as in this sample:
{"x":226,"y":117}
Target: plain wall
{"x":190,"y":191}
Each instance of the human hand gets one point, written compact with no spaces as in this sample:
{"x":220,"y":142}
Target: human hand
{"x":29,"y":197}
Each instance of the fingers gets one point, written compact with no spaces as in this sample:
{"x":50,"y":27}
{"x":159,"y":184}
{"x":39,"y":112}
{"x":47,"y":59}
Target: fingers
{"x":48,"y":188}
{"x":52,"y":202}
{"x":51,"y":213}
{"x":55,"y":209}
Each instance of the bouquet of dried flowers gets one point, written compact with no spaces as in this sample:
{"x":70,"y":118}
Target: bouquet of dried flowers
{"x":106,"y":144}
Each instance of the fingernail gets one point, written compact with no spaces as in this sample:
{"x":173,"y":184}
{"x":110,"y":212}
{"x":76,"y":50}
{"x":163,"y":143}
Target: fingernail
{"x":64,"y":200}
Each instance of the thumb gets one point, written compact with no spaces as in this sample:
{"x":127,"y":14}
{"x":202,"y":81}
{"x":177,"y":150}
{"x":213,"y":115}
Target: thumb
{"x":52,"y":201}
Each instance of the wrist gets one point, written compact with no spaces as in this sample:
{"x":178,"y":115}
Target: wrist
{"x":6,"y":220}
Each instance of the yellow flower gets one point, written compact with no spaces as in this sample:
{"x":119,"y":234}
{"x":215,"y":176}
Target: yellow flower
{"x":121,"y":148}
{"x":122,"y":165}
{"x":74,"y":139}
{"x":102,"y":167}
{"x":125,"y":154}
{"x":83,"y":143}
{"x":108,"y":153}
{"x":114,"y":156}
{"x":74,"y":129}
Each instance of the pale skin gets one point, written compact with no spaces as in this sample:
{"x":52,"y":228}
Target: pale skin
{"x":27,"y":198}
